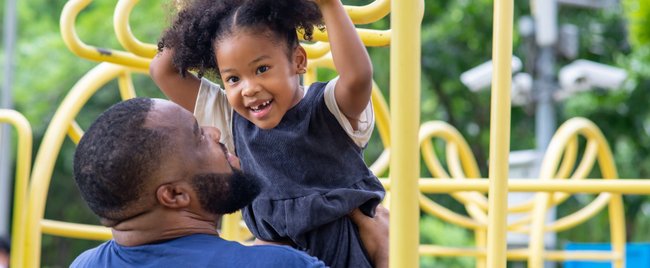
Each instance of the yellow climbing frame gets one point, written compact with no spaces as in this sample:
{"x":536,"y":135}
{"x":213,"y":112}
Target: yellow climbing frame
{"x":402,"y":135}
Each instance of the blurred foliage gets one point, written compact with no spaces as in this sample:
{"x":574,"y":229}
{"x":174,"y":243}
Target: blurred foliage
{"x":444,"y":234}
{"x":456,"y":36}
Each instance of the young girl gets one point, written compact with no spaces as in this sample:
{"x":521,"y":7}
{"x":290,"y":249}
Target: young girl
{"x":306,"y":143}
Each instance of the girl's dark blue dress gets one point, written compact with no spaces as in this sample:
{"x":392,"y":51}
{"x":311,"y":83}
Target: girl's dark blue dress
{"x":314,"y":175}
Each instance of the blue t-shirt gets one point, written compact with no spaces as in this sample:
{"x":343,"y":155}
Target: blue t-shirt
{"x":199,"y":250}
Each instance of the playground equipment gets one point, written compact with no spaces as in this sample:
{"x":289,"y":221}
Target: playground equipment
{"x":399,"y":132}
{"x":23,"y":163}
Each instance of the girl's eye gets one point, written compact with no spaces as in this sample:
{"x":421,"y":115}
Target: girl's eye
{"x":262,"y":69}
{"x":232,"y":79}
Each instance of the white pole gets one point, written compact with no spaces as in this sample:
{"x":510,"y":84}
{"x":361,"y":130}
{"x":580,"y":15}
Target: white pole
{"x":6,"y":102}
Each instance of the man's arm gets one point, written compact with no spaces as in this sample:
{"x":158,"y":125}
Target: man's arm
{"x":179,"y":89}
{"x":374,"y":234}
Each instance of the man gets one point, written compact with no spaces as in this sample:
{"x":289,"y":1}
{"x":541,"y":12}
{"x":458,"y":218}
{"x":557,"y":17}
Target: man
{"x":161,"y":183}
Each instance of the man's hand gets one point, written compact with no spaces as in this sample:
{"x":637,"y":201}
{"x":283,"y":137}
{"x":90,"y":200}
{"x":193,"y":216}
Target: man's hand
{"x":374,"y":234}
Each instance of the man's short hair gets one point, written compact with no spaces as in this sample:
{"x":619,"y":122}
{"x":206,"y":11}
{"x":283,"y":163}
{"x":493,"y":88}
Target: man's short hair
{"x":116,"y":156}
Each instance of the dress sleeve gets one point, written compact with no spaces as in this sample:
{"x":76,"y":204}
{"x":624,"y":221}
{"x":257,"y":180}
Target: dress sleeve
{"x":212,"y":109}
{"x":366,"y":124}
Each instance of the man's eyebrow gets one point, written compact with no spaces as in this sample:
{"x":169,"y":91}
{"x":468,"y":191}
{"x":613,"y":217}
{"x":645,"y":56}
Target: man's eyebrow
{"x":196,"y":128}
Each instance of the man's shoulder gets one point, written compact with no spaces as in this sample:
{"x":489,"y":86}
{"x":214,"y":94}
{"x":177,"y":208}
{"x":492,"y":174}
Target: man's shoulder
{"x":90,"y":258}
{"x":198,"y":250}
{"x":284,"y":256}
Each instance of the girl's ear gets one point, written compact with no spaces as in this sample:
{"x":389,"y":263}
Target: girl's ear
{"x":300,"y":59}
{"x":174,"y":195}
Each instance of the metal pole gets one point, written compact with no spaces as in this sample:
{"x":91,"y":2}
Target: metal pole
{"x":546,"y":37}
{"x":545,"y":122}
{"x":7,"y":103}
{"x":406,"y":21}
{"x":499,"y":132}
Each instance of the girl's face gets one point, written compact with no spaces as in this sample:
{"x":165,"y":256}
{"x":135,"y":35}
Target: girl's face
{"x":261,"y":81}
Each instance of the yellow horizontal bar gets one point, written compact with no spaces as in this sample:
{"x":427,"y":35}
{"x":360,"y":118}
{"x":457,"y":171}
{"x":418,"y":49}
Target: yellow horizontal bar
{"x":518,"y":254}
{"x":433,"y":250}
{"x":624,"y":186}
{"x":76,"y":230}
{"x":592,"y":255}
{"x":369,"y":37}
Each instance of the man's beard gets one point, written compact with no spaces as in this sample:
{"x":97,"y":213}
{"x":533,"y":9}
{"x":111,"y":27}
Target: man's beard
{"x":222,"y":193}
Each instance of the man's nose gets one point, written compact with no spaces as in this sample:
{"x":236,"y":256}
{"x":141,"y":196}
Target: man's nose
{"x":212,"y":133}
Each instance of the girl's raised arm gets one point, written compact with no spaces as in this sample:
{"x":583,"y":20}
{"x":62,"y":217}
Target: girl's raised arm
{"x":179,"y":89}
{"x":351,"y":59}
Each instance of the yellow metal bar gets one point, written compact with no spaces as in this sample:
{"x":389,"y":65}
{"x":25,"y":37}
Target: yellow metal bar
{"x":70,"y":38}
{"x":51,"y":145}
{"x":124,"y":34}
{"x":460,"y":160}
{"x":581,"y":215}
{"x":230,"y":227}
{"x":382,"y":122}
{"x":434,"y":250}
{"x":370,"y":37}
{"x":382,"y":115}
{"x":568,"y":159}
{"x":369,"y":13}
{"x":316,"y":50}
{"x":499,"y":132}
{"x":76,"y":230}
{"x":518,"y":254}
{"x":23,"y":163}
{"x":433,"y":208}
{"x":606,"y":163}
{"x":626,"y":186}
{"x":405,"y":120}
{"x":75,"y":132}
{"x":125,"y":83}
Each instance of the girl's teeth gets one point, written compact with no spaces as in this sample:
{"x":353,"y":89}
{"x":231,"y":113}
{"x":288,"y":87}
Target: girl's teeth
{"x":263,"y":104}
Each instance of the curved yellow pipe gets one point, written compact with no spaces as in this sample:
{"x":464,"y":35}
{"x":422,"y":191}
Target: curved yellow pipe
{"x":72,"y":41}
{"x":608,"y":170}
{"x":123,"y":31}
{"x":125,"y":84}
{"x":444,"y":213}
{"x":460,"y":158}
{"x":23,"y":163}
{"x":316,"y":50}
{"x":369,"y":13}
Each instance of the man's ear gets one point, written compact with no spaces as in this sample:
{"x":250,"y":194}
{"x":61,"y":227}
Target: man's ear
{"x":300,"y":59}
{"x":174,"y":195}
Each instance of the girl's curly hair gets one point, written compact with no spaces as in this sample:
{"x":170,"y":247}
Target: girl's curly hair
{"x":201,"y":24}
